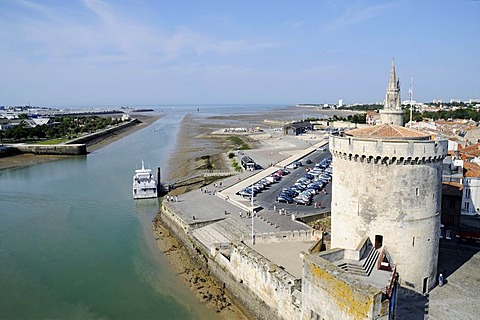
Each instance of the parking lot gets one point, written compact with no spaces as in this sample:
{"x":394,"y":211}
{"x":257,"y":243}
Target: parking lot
{"x":320,"y":202}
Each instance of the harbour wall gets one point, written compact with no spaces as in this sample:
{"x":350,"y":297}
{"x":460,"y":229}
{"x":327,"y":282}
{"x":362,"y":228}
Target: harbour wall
{"x":53,"y":149}
{"x":262,"y":288}
{"x":102,"y":133}
{"x":74,"y":147}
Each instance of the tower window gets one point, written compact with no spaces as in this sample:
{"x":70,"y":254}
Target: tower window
{"x":417,"y":191}
{"x":467,"y":193}
{"x":467,"y":206}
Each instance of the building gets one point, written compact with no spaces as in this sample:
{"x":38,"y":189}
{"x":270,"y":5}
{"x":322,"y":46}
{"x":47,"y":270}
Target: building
{"x":387,"y":188}
{"x":371,"y":117}
{"x":297,"y":128}
{"x":248,"y":163}
{"x":451,"y":206}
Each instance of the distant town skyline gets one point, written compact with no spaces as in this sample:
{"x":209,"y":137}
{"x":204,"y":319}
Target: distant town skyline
{"x":92,"y":52}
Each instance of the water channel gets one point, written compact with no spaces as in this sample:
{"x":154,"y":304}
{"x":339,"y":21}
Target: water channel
{"x":75,"y":245}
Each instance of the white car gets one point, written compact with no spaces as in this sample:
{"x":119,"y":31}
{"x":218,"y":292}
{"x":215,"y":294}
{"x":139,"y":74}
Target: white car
{"x":292,"y":166}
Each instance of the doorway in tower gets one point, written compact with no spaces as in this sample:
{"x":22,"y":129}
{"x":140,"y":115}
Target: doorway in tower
{"x":425,"y":285}
{"x":378,"y":241}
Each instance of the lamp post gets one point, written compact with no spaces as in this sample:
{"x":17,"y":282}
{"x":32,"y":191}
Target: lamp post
{"x":253,"y":236}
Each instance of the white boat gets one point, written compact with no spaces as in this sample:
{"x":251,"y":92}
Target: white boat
{"x":144,"y":184}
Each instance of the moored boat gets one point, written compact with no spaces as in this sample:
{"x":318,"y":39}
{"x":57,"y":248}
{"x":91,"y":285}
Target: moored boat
{"x":144,"y":184}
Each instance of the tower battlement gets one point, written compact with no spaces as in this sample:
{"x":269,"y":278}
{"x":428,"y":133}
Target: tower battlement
{"x":388,"y":152}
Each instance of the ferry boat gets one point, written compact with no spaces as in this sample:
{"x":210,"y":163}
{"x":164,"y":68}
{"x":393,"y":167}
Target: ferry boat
{"x":144,"y":184}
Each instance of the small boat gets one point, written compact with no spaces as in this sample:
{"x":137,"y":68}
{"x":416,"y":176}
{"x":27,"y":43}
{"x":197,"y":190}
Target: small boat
{"x":144,"y":184}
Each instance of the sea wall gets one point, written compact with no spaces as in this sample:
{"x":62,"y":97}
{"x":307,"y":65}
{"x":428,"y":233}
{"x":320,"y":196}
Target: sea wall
{"x":53,"y":149}
{"x":239,"y":284}
{"x":277,"y":289}
{"x":101,"y":134}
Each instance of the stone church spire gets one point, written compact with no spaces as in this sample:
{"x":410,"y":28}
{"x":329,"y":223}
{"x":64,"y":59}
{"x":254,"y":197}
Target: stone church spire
{"x":392,"y":112}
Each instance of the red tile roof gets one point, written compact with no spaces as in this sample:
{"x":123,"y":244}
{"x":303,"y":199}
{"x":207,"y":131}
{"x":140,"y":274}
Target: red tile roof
{"x":471,"y":169}
{"x":473,"y":150}
{"x":388,"y":131}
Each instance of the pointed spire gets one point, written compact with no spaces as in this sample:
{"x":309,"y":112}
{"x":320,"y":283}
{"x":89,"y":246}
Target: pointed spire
{"x":392,"y":109}
{"x":393,"y":77}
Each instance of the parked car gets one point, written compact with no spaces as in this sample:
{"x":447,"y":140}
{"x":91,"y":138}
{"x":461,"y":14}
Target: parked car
{"x":301,"y":201}
{"x":308,"y":161}
{"x":309,"y":176}
{"x":284,"y":198}
{"x":292,"y":166}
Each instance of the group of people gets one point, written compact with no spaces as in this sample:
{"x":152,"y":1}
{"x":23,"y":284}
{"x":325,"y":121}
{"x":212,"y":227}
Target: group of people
{"x":248,"y":214}
{"x":171,"y":198}
{"x":317,"y":205}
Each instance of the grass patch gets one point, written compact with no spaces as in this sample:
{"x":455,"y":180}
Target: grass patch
{"x":52,"y":141}
{"x":238,"y":143}
{"x":236,"y":165}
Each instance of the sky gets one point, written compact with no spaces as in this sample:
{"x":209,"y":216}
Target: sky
{"x":94,"y":52}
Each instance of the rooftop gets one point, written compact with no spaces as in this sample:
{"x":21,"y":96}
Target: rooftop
{"x":388,"y":131}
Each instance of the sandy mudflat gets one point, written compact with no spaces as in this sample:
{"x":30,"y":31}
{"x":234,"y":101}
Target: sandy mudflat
{"x":206,"y":289}
{"x":29,"y":159}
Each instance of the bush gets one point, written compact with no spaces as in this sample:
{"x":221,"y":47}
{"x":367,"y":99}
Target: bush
{"x":231,"y":155}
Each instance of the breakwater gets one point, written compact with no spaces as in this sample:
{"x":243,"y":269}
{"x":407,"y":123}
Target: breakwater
{"x":89,"y":138}
{"x":53,"y":149}
{"x":74,"y":147}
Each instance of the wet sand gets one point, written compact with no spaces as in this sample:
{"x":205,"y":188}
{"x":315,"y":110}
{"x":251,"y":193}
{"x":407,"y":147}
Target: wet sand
{"x":206,"y":289}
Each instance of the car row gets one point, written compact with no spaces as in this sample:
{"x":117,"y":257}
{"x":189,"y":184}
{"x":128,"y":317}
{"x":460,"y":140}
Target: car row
{"x":262,"y":184}
{"x":306,"y":187}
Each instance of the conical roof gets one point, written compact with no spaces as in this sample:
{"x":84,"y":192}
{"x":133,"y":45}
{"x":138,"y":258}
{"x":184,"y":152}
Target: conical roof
{"x":388,"y":131}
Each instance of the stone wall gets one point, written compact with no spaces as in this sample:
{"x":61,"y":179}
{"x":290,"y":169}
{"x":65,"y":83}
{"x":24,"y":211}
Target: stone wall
{"x":288,"y":236}
{"x":53,"y":149}
{"x":218,"y":265}
{"x":100,"y":134}
{"x":278,"y":290}
{"x":329,"y":293}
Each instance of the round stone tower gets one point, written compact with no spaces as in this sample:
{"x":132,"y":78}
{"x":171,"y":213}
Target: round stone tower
{"x":387,"y":186}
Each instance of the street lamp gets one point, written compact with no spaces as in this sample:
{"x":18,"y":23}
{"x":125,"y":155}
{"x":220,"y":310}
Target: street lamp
{"x":253,"y":236}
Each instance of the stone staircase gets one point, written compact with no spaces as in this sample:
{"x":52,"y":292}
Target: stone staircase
{"x":361,"y":268}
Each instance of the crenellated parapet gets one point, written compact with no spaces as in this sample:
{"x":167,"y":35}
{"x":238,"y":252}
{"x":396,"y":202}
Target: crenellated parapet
{"x":388,"y":152}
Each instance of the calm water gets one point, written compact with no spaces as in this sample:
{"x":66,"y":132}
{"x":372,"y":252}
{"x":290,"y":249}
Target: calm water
{"x":74,"y":244}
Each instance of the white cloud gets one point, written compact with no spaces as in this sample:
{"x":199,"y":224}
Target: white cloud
{"x":102,"y":33}
{"x":354,"y":15}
